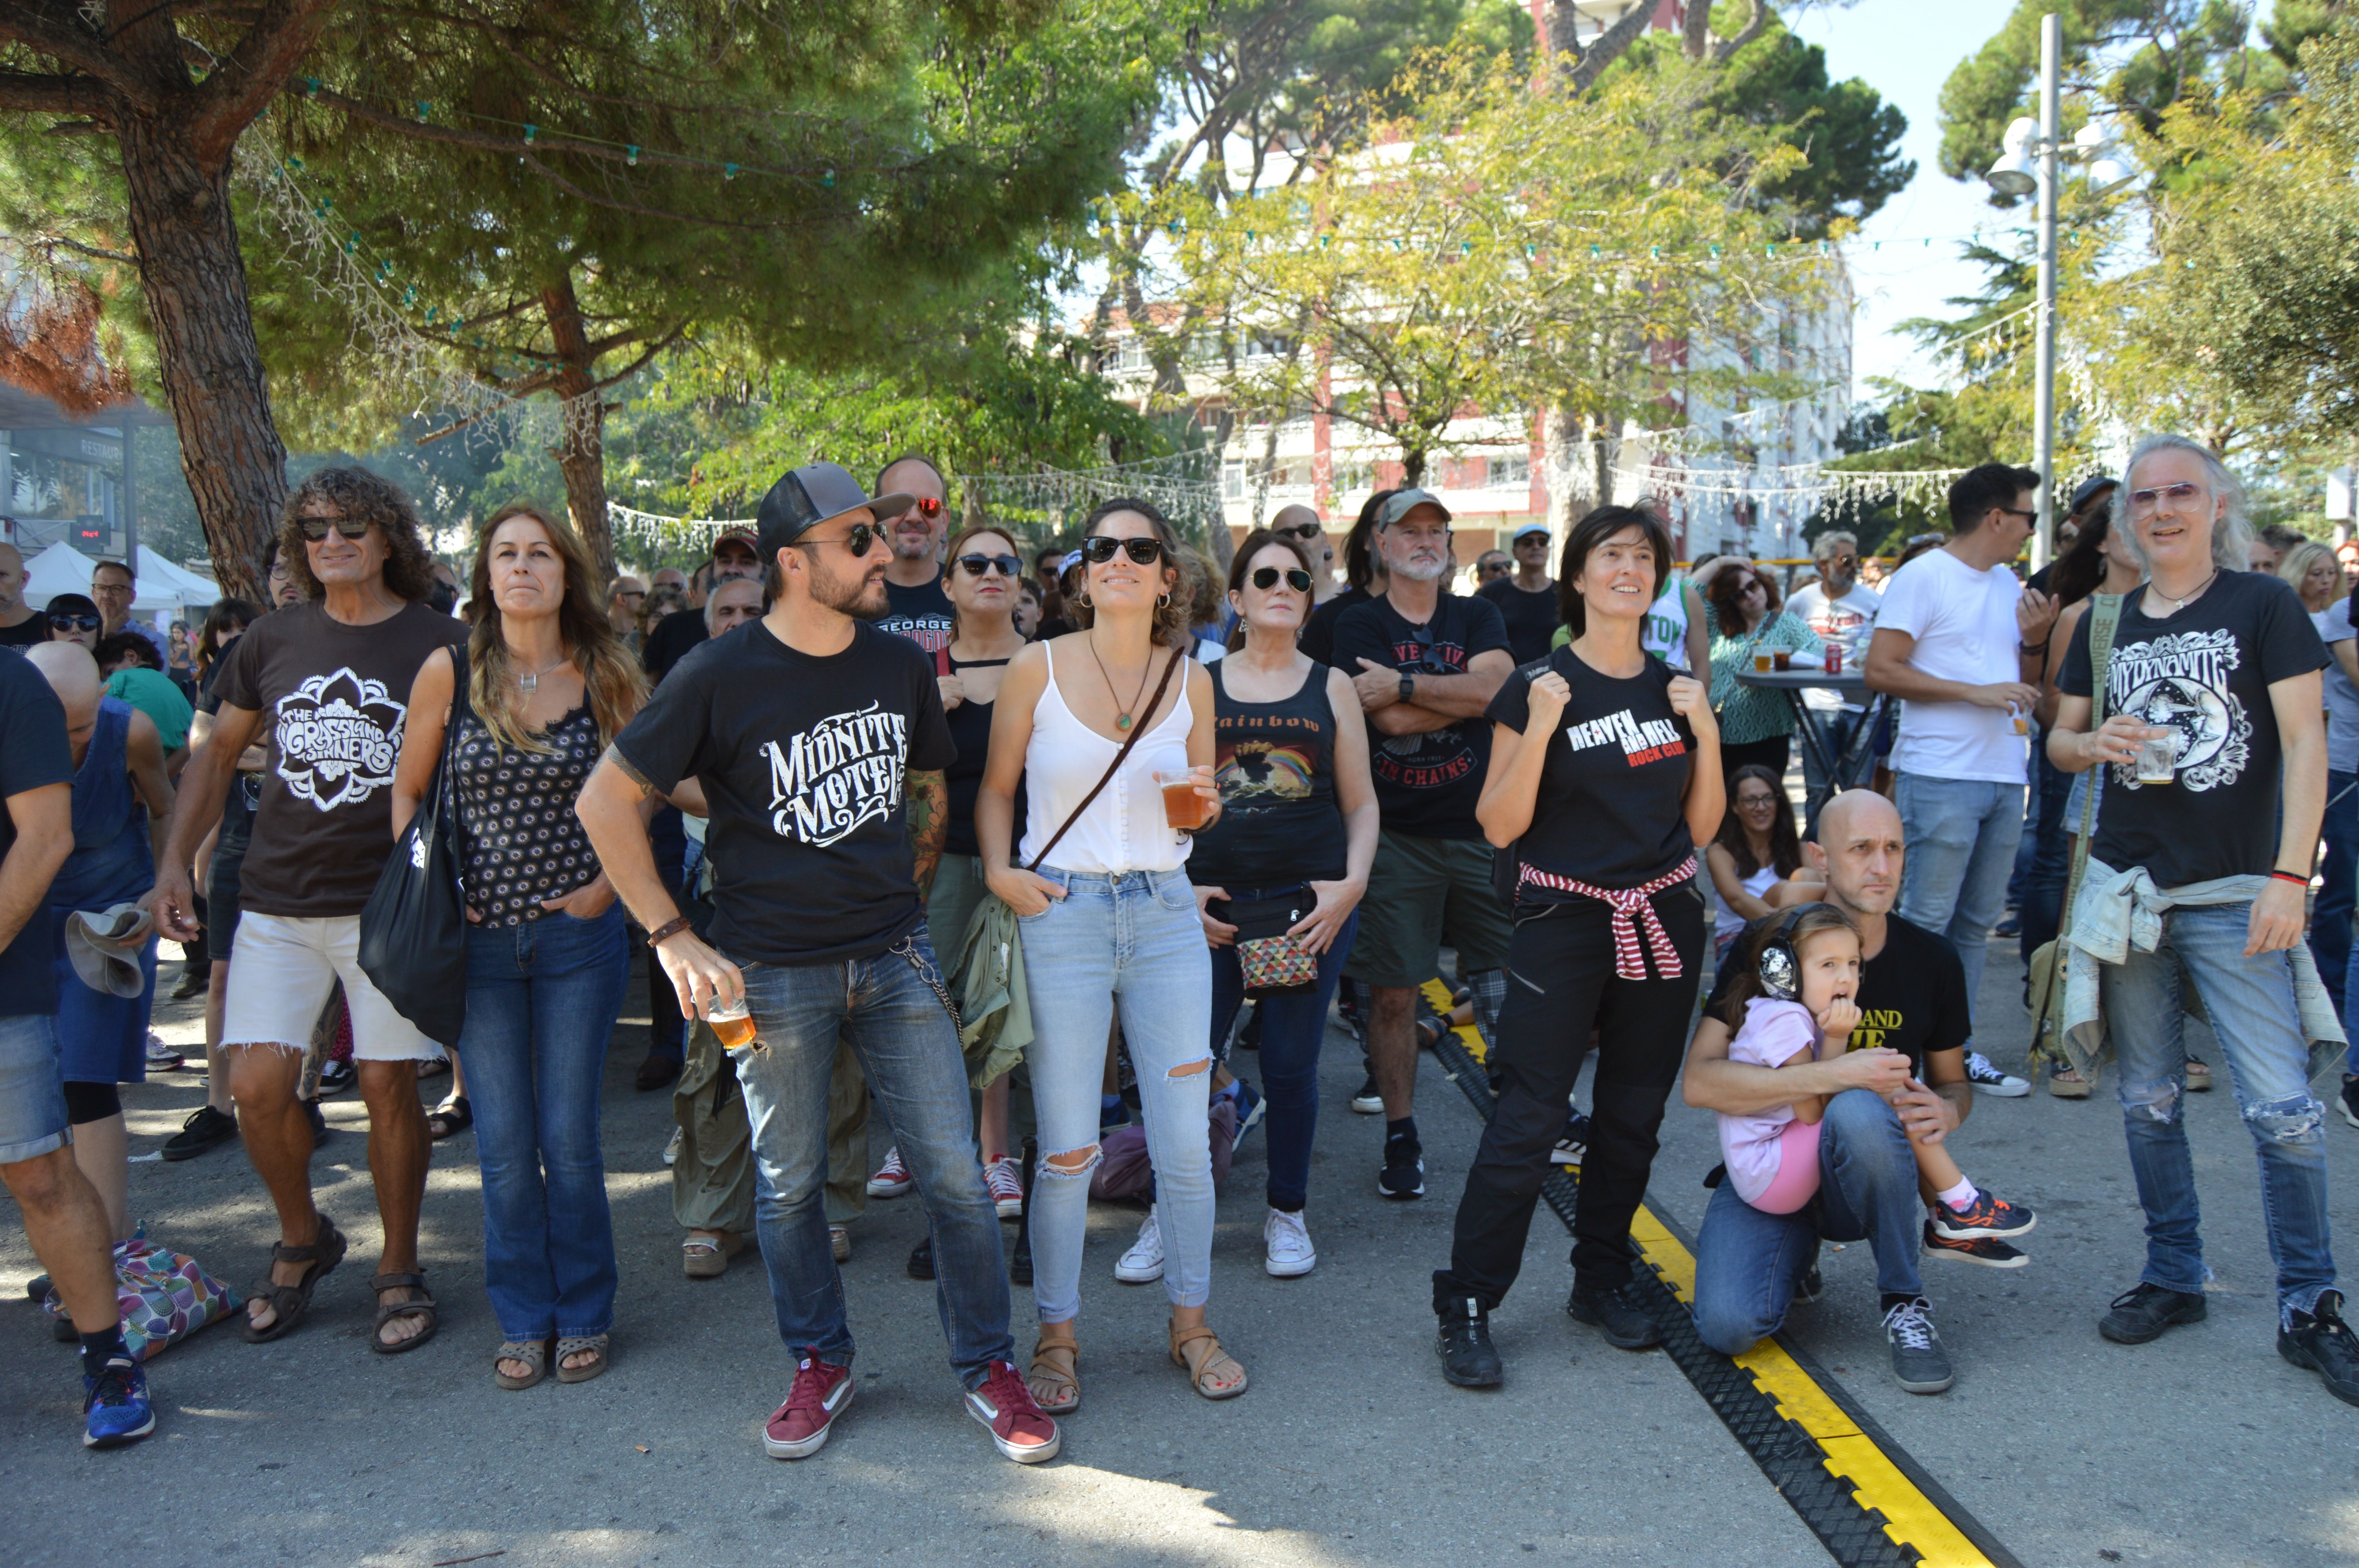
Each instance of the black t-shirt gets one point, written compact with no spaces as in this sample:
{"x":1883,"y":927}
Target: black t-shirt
{"x":1426,"y":784}
{"x":1913,"y":994}
{"x":1531,"y":617}
{"x":1609,"y":809}
{"x":1317,"y":638}
{"x":675,"y":636}
{"x":970,"y":728}
{"x":923,"y":613}
{"x":804,"y":762}
{"x":34,"y":629}
{"x":2204,"y":672}
{"x":1274,"y":763}
{"x":34,"y":752}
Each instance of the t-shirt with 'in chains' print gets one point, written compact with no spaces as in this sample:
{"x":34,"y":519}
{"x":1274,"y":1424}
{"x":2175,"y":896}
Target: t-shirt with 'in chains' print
{"x":804,"y":760}
{"x":333,"y":698}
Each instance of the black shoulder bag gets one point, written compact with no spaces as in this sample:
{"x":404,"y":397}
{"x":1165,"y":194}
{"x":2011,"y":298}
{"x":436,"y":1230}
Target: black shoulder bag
{"x":413,"y":944}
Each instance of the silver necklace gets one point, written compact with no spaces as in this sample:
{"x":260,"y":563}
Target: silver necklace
{"x":2180,"y":603}
{"x":529,"y":681}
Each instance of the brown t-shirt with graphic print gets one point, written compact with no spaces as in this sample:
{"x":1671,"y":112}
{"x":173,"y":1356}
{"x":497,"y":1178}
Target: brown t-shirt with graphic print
{"x":332,"y":699}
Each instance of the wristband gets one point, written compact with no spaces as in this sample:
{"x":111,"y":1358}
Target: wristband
{"x":672,"y":927}
{"x":2298,"y":881}
{"x":2022,"y":649}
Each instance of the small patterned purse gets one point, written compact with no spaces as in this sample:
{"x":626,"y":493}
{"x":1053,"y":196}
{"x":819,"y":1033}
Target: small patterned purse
{"x":1274,"y":964}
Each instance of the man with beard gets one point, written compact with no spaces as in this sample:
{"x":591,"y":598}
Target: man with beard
{"x":818,"y":742}
{"x":918,"y":607}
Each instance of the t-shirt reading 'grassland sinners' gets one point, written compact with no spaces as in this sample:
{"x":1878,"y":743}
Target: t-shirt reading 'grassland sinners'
{"x":332,"y":699}
{"x":804,"y":761}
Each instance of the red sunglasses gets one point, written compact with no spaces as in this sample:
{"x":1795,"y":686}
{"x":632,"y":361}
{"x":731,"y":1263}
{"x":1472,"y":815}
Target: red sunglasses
{"x":926,"y":507}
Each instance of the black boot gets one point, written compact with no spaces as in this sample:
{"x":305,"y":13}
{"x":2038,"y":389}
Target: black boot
{"x":1464,"y":1345}
{"x":1616,"y":1313}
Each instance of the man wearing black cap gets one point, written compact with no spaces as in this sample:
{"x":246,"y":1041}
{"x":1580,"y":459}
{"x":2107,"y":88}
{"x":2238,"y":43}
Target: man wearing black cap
{"x":733,"y":556}
{"x":818,"y":742}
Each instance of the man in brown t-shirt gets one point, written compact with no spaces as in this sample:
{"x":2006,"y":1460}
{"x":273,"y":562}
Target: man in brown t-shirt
{"x":323,"y":686}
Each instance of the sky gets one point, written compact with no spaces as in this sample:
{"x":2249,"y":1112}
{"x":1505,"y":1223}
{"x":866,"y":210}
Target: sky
{"x":1906,"y":49}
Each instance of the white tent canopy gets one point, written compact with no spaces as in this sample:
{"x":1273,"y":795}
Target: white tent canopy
{"x":162,"y":588}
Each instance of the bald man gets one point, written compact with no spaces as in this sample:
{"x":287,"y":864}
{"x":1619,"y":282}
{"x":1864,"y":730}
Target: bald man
{"x":1301,"y":524}
{"x":21,"y":626}
{"x":1905,"y":1072}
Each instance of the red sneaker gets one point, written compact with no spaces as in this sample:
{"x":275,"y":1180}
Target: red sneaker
{"x":1018,"y":1428}
{"x":820,"y":1394}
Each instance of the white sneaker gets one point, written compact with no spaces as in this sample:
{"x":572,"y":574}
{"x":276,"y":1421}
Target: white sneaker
{"x":1144,"y":1261}
{"x":892,"y":1178}
{"x":1988,"y":1080}
{"x":1290,"y":1252}
{"x":1006,"y":1185}
{"x":161,"y":1058}
{"x":671,"y":1150}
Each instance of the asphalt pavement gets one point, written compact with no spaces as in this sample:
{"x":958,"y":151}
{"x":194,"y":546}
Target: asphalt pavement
{"x":2203,"y":1448}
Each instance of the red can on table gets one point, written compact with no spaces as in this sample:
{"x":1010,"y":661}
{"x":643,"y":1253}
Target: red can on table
{"x":1834,"y":658}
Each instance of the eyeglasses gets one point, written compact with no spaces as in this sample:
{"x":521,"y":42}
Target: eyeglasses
{"x":976,"y":565}
{"x":316,"y":528}
{"x":1298,"y":531}
{"x":2144,"y":501}
{"x":1266,"y":578}
{"x":74,"y":622}
{"x":1842,"y":560}
{"x":1099,"y":548}
{"x":926,"y":507}
{"x":2027,"y":516}
{"x":860,"y":541}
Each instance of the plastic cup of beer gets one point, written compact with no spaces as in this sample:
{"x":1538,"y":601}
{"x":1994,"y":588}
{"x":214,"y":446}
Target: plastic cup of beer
{"x":2014,"y":714}
{"x":732,"y":1023}
{"x":2157,"y":758}
{"x":1183,"y":808}
{"x":1763,"y":664}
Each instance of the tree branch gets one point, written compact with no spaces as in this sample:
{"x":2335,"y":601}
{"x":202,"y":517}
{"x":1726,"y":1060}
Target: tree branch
{"x":250,"y":75}
{"x":23,"y":93}
{"x":1751,"y":29}
{"x":1612,"y":44}
{"x":71,"y":46}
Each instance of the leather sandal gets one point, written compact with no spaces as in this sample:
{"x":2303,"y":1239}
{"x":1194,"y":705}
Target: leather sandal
{"x":704,"y":1258}
{"x":2067,"y":1084}
{"x":1055,"y":1378}
{"x":420,"y":1303}
{"x":1199,"y":1350}
{"x":533,"y":1353}
{"x":287,"y":1304}
{"x":449,"y":1118}
{"x":2198,"y":1076}
{"x":574,"y":1345}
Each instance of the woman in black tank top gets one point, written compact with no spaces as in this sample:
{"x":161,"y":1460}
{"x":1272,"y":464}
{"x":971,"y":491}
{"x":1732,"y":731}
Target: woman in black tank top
{"x":1298,"y":826}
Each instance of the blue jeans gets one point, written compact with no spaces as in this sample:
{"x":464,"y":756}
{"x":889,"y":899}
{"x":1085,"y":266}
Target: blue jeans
{"x":1292,"y":1030}
{"x":1748,"y":1262}
{"x":1959,"y":838}
{"x":541,"y":1001}
{"x":1130,"y":941}
{"x":2330,"y":920}
{"x":890,"y":1012}
{"x":1843,"y":727}
{"x":2042,"y":904}
{"x":32,"y":1087}
{"x":2250,"y":1002}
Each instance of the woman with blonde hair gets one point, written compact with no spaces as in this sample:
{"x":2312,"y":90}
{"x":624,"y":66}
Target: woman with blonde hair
{"x":546,"y":685}
{"x":2314,"y":572}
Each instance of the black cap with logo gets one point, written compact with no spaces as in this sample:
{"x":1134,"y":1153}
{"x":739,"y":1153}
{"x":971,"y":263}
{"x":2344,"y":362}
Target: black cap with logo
{"x":808,"y":496}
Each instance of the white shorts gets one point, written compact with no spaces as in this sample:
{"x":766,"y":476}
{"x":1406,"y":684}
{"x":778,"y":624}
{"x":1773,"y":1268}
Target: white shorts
{"x":279,"y":979}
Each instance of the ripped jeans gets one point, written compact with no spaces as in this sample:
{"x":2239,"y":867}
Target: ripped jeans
{"x":1130,"y":941}
{"x":2250,"y":1002}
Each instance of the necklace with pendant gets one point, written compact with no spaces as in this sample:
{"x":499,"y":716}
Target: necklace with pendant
{"x":2180,"y":603}
{"x":1124,"y":720}
{"x":529,"y":681}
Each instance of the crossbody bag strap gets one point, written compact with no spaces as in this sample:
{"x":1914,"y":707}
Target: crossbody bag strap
{"x":446,"y":781}
{"x":2105,"y":617}
{"x":1145,"y":724}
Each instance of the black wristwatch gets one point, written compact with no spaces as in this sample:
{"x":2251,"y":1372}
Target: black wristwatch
{"x":1408,"y":686}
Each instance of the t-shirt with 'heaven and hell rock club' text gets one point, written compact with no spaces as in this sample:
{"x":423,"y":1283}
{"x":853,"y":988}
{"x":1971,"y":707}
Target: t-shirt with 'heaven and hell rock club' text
{"x":804,"y":760}
{"x":333,"y":698}
{"x":1611,"y":808}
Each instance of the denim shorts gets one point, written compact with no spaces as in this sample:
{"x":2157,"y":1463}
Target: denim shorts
{"x":32,"y":1088}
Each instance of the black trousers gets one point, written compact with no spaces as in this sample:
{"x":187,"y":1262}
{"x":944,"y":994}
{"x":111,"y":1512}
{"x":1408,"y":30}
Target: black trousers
{"x":1561,"y":986}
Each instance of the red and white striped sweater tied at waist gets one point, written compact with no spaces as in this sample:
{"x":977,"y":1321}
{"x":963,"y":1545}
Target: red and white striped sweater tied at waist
{"x":1631,"y":905}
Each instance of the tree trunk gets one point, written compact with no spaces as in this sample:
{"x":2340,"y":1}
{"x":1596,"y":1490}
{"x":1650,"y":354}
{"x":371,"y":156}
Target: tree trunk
{"x":207,"y":357}
{"x":1412,"y":466}
{"x":1563,"y":434}
{"x":580,"y":450}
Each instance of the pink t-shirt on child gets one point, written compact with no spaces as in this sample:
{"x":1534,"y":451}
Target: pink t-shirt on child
{"x":1773,"y":1034}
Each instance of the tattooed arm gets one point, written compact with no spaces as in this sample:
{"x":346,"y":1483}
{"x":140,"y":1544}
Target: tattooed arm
{"x":929,"y":825}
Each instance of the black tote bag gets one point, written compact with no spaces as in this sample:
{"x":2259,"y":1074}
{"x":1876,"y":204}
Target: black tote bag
{"x":413,"y":944}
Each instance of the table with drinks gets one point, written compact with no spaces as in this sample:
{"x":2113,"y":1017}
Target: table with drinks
{"x":1837,"y":767}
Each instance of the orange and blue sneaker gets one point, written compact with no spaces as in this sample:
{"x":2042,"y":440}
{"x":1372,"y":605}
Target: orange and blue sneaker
{"x":1987,"y":1251}
{"x":1986,"y":1215}
{"x":116,"y":1404}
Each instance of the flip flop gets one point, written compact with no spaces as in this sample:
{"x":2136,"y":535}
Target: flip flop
{"x":423,"y":1301}
{"x":289,"y":1302}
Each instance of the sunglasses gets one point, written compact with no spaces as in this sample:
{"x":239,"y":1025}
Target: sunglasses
{"x":1266,"y":578}
{"x":316,"y":528}
{"x":1099,"y":548}
{"x":2144,"y":500}
{"x":1298,"y":531}
{"x":859,"y":541}
{"x":976,"y":565}
{"x":1427,"y":660}
{"x":926,"y":507}
{"x":74,"y":622}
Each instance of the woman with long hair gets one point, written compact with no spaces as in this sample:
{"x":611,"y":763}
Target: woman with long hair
{"x":2315,"y":574}
{"x":547,"y":683}
{"x":1604,"y":777}
{"x":1745,"y":616}
{"x":1756,"y":848}
{"x":1098,"y":883}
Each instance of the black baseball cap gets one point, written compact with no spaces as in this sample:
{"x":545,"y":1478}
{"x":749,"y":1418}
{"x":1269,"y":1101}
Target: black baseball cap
{"x":2090,"y":489}
{"x":808,"y":496}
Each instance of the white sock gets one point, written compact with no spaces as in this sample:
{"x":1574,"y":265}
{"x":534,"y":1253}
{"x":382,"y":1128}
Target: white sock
{"x":1961,"y":1197}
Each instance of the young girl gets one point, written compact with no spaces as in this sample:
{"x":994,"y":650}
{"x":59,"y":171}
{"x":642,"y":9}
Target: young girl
{"x":1795,"y":999}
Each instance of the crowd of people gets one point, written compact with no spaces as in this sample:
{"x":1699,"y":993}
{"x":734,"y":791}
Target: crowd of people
{"x":913,"y":829}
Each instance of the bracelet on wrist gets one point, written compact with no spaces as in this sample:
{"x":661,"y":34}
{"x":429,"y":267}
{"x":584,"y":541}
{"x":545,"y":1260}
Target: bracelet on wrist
{"x":2297,"y":879}
{"x":2031,"y":649}
{"x":672,"y":927}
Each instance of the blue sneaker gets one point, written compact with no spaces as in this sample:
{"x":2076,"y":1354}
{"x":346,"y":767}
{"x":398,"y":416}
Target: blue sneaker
{"x":1249,"y":1109}
{"x":117,"y":1404}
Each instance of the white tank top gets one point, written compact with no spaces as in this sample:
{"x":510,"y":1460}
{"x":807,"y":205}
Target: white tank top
{"x":1123,"y":829}
{"x":1665,"y":634}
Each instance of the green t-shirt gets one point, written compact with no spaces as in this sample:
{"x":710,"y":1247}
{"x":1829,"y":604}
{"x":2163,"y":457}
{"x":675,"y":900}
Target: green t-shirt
{"x":155,"y":696}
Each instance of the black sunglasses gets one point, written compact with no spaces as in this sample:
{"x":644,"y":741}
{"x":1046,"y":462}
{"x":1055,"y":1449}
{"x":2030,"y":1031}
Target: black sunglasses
{"x":74,"y":622}
{"x":1427,"y":659}
{"x":1266,"y":578}
{"x":1298,"y":531}
{"x":316,"y":528}
{"x":860,"y":541}
{"x":1099,"y":548}
{"x":976,"y":565}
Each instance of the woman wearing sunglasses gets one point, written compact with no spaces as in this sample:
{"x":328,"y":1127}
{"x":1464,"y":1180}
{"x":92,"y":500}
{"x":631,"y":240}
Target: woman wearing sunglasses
{"x":73,"y":618}
{"x":1097,"y":881}
{"x":1298,"y":831}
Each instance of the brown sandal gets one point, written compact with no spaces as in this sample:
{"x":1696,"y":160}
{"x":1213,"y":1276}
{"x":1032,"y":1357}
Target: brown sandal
{"x":1202,"y":1365}
{"x":289,"y":1302}
{"x":533,"y":1353}
{"x":418,"y":1305}
{"x":1056,"y":1367}
{"x":574,"y":1345}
